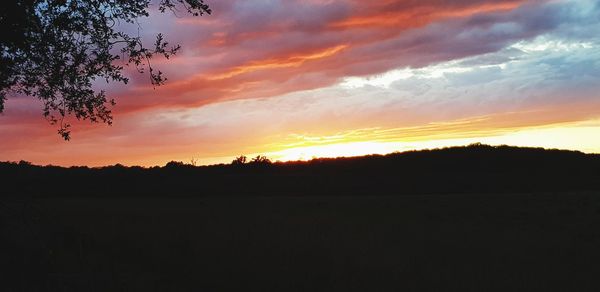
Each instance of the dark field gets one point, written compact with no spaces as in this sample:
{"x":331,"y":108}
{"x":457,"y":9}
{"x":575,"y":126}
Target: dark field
{"x":476,"y":218}
{"x":487,"y":242}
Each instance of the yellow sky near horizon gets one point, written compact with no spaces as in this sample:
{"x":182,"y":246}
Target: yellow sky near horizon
{"x":578,"y":136}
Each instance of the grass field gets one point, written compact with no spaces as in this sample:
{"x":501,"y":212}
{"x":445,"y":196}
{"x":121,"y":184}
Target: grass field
{"x":508,"y":242}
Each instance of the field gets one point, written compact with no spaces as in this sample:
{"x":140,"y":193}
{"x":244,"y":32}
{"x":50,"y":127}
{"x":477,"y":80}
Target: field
{"x":450,"y":242}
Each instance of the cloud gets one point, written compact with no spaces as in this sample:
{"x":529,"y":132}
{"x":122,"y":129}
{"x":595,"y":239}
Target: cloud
{"x":264,"y":49}
{"x":259,"y":74}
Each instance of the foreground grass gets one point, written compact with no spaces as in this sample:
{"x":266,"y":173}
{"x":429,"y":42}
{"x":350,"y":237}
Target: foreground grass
{"x":507,"y":242}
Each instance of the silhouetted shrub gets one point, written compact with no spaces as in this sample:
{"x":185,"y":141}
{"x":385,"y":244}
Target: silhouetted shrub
{"x":240,"y":160}
{"x":260,"y":159}
{"x":174,"y":164}
{"x":24,"y":163}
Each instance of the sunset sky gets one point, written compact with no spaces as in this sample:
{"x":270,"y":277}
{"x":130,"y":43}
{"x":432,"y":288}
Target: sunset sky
{"x":297,"y":79}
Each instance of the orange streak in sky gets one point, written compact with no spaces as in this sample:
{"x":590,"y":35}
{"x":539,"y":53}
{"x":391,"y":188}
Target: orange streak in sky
{"x":292,"y":61}
{"x":418,"y":17}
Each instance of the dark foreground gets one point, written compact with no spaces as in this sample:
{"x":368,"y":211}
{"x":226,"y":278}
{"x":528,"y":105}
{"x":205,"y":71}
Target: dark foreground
{"x":475,"y":218}
{"x":508,"y":242}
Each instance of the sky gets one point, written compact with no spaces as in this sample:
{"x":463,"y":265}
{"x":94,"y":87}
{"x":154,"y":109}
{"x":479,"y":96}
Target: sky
{"x":298,"y":79}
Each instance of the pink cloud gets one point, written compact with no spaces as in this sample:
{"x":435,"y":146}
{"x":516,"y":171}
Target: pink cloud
{"x":250,"y":50}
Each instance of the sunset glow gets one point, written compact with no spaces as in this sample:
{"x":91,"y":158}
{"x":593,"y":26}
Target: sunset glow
{"x":571,"y":137}
{"x":299,"y":79}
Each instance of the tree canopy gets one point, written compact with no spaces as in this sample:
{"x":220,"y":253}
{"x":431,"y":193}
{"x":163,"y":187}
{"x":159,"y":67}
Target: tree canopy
{"x":54,"y":50}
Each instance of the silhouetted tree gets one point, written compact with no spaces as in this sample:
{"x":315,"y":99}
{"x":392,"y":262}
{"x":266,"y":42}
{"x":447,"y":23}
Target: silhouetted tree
{"x":260,"y":159}
{"x":174,"y":164}
{"x":239,"y":160}
{"x":193,"y":161}
{"x":24,"y":163}
{"x":55,"y":49}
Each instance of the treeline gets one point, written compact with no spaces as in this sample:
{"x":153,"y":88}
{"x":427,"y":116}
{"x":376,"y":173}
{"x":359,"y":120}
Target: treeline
{"x":475,"y":168}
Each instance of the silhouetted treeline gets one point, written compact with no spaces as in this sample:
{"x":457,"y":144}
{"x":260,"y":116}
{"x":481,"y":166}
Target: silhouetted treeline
{"x":475,"y":168}
{"x":518,"y":219}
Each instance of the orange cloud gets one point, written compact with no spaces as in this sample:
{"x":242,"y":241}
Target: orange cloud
{"x":419,"y":16}
{"x":250,"y":50}
{"x":245,"y":63}
{"x":290,"y":61}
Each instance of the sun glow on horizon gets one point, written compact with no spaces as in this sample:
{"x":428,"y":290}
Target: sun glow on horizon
{"x":578,"y":136}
